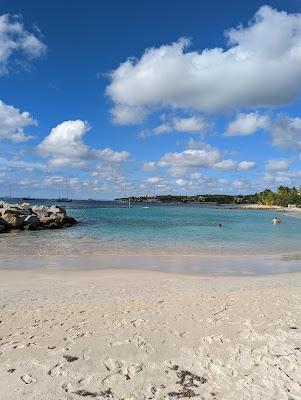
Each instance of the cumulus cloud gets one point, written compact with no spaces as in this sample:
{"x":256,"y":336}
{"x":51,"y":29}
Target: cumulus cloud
{"x":154,"y":180}
{"x":246,"y":165}
{"x":65,"y":147}
{"x":230,"y":165}
{"x":112,"y":156}
{"x":15,"y":39}
{"x":225,"y":165}
{"x":286,"y":133}
{"x":261,"y":67}
{"x":203,"y":156}
{"x":283,"y":177}
{"x":190,"y":124}
{"x":246,"y":124}
{"x":13,"y":123}
{"x":125,"y":115}
{"x":191,"y":158}
{"x":277,"y":164}
{"x":183,"y":125}
{"x":21,"y":164}
{"x":149,"y":166}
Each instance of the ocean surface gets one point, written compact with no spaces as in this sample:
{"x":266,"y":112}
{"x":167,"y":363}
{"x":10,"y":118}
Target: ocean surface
{"x":162,"y":229}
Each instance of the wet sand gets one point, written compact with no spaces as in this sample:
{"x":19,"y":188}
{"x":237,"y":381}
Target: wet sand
{"x":192,"y":264}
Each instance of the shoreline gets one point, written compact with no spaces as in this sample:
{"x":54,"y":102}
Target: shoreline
{"x":262,"y":207}
{"x":196,"y":265}
{"x":131,"y":335}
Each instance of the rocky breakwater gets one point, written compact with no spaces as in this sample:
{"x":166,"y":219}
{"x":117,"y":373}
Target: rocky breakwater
{"x":28,"y":217}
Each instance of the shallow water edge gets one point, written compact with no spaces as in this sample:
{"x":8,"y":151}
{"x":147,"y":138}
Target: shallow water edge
{"x":181,"y":264}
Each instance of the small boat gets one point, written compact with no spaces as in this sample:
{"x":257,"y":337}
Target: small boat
{"x":63,"y":200}
{"x":276,"y":220}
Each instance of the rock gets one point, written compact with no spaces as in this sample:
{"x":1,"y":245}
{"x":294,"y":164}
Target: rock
{"x":31,"y":222}
{"x":53,"y":225}
{"x":3,"y":228}
{"x":41,"y":211}
{"x":57,"y":210}
{"x":13,"y":219}
{"x":46,"y":220}
{"x":25,"y":216}
{"x":68,"y":221}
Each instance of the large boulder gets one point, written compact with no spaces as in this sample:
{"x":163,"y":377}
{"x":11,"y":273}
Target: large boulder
{"x":54,"y":225}
{"x":13,"y":219}
{"x":68,"y":221}
{"x":41,"y":211}
{"x":57,"y":210}
{"x":31,"y":222}
{"x":3,"y":228}
{"x":46,"y":219}
{"x":26,"y":216}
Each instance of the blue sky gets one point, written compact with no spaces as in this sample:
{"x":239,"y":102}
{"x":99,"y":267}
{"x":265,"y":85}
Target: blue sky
{"x":184,"y":97}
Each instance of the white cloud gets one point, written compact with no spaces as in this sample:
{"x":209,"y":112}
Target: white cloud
{"x":180,"y":182}
{"x":260,"y":68}
{"x":125,"y":115}
{"x":225,"y":165}
{"x":22,"y":164}
{"x":202,"y":156}
{"x":230,"y":165}
{"x":13,"y":122}
{"x":149,"y":166}
{"x":183,"y":125}
{"x":112,"y":156}
{"x":246,"y":124}
{"x":246,"y":165}
{"x":239,"y":183}
{"x":179,"y":163}
{"x":15,"y":39}
{"x":190,"y":124}
{"x":154,"y":180}
{"x":286,"y":133}
{"x":65,"y":147}
{"x":283,"y":177}
{"x":277,"y":164}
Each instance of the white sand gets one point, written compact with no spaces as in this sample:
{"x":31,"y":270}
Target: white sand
{"x":149,"y":335}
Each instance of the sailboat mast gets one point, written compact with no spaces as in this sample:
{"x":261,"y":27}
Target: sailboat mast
{"x":67,"y":189}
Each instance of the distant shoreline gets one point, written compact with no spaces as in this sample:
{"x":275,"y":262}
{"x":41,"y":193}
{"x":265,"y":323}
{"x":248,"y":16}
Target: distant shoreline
{"x":261,"y":207}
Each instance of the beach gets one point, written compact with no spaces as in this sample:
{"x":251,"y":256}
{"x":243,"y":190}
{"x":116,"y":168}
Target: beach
{"x":130,"y":334}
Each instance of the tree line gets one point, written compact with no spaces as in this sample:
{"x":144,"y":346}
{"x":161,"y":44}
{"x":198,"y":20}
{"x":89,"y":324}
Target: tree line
{"x":283,"y":196}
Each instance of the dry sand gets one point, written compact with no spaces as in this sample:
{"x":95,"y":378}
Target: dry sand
{"x":115,"y":334}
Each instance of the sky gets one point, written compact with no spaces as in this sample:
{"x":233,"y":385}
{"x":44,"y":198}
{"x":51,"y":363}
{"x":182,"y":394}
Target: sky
{"x":135,"y":97}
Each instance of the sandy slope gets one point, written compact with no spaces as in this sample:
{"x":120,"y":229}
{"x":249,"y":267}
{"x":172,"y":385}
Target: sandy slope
{"x":148,"y":335}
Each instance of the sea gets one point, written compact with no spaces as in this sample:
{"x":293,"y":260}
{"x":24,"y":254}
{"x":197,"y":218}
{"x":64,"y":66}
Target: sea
{"x":156,"y":231}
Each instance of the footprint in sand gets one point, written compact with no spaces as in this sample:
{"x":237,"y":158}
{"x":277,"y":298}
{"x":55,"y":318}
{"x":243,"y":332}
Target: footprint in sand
{"x":137,"y":322}
{"x":117,"y":367}
{"x":85,"y":381}
{"x":56,"y":370}
{"x":28,"y":379}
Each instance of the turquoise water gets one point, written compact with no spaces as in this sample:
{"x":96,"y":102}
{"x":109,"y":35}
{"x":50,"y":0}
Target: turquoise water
{"x":107,"y":227}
